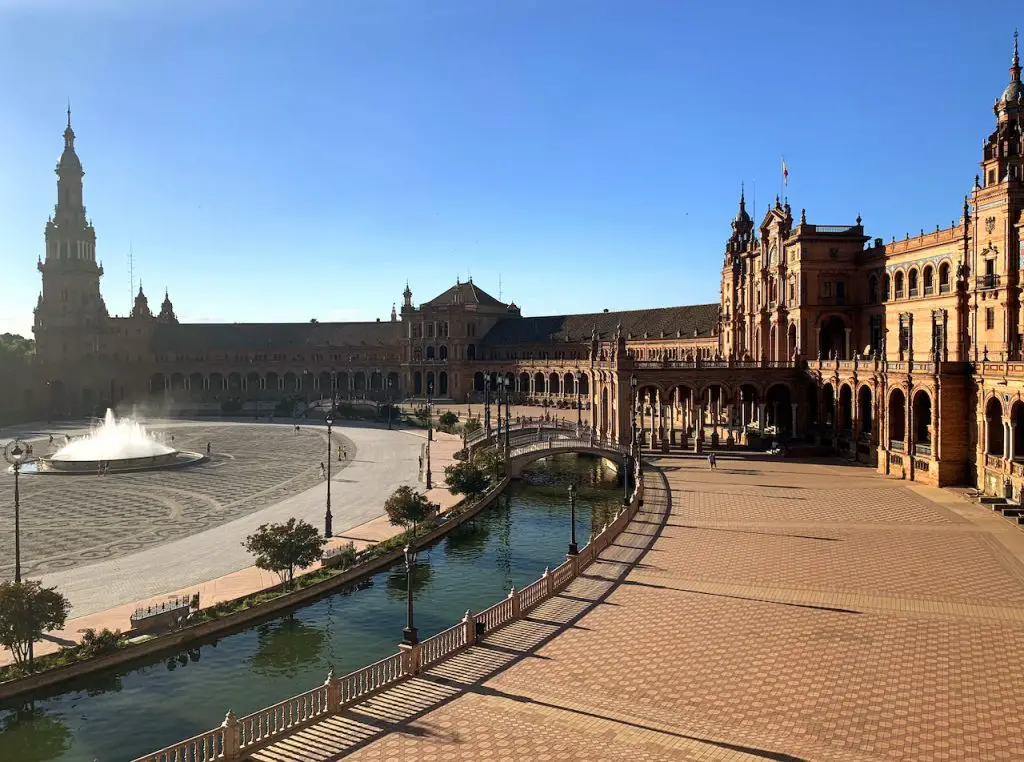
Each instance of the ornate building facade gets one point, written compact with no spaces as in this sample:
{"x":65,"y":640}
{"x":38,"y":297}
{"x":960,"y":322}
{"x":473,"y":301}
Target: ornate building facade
{"x":907,"y":354}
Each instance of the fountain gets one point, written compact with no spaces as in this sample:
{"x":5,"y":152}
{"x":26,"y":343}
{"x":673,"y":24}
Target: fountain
{"x":115,"y":445}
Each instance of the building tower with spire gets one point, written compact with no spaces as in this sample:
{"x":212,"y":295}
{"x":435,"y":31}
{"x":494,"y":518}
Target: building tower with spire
{"x":998,"y":205}
{"x":71,"y":312}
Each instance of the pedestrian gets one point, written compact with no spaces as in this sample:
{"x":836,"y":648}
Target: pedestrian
{"x":344,"y":453}
{"x":323,"y":470}
{"x":296,"y":428}
{"x":712,"y":463}
{"x":51,"y":438}
{"x":340,"y":453}
{"x":207,"y":448}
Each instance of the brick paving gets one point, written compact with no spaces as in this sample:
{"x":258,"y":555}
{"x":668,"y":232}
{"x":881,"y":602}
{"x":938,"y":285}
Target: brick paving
{"x":771,"y":610}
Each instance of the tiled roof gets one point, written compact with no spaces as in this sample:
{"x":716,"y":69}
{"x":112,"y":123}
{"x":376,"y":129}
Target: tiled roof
{"x":270,"y":336}
{"x":464,"y":293}
{"x":554,"y":328}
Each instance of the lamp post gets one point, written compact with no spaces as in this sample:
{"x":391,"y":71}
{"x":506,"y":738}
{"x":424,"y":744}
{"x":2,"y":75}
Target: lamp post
{"x":430,"y":432}
{"x":15,"y":453}
{"x":573,"y":550}
{"x":328,"y":518}
{"x":632,"y":441}
{"x":487,"y":405}
{"x":409,"y":633}
{"x":390,"y":382}
{"x":508,"y":415}
{"x":497,"y":399}
{"x":579,"y":402}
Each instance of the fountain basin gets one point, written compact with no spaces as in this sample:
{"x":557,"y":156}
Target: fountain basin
{"x":172,"y":459}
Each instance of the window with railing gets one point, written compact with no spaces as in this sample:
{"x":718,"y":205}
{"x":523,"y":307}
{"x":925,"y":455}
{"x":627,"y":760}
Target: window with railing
{"x":944,"y":278}
{"x":987,"y":281}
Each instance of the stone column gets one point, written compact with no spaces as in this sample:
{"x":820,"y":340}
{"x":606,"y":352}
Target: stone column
{"x":762,"y":408}
{"x":1011,"y":449}
{"x":672,"y":419}
{"x":847,"y":354}
{"x":793,"y":405}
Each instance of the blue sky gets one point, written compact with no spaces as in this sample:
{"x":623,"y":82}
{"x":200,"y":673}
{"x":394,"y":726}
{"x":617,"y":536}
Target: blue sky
{"x":288,"y":160}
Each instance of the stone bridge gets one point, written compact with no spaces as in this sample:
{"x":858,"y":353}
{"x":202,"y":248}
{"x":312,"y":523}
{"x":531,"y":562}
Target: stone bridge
{"x":546,"y":445}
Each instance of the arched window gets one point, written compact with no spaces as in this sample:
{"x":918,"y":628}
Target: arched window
{"x":430,"y":353}
{"x":873,"y":289}
{"x":944,"y":278}
{"x":929,"y":281}
{"x":899,"y":285}
{"x":912,"y":281}
{"x":886,"y":285}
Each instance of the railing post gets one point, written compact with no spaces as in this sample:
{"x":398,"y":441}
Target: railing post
{"x":410,"y":659}
{"x":333,"y":685}
{"x":232,"y":742}
{"x":513,"y":595}
{"x":549,"y":587}
{"x":469,"y":623}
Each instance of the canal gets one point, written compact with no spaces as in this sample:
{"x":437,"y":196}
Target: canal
{"x":127,"y":712}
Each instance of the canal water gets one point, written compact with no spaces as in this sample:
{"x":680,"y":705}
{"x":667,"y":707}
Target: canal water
{"x":122,"y":714}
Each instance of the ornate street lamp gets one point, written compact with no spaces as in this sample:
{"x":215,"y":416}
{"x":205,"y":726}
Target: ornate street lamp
{"x":508,"y":415}
{"x":409,"y":633}
{"x":390,"y":382}
{"x":573,"y":550}
{"x":328,"y":518}
{"x":430,"y":430}
{"x":579,"y":402}
{"x":497,"y":399}
{"x":487,"y":405}
{"x":15,"y":453}
{"x":636,"y":401}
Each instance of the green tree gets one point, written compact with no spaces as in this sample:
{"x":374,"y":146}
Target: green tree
{"x":282,"y":548}
{"x":15,"y":348}
{"x":27,"y":610}
{"x":408,"y":508}
{"x":490,"y":462}
{"x":423,"y":416}
{"x":448,"y":419}
{"x":471,"y":426}
{"x":465,"y":478}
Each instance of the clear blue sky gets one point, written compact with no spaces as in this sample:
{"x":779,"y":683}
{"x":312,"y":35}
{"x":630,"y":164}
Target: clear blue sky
{"x":282,"y":161}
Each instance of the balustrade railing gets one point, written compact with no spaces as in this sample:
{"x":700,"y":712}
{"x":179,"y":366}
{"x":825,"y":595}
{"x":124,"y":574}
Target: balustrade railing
{"x":994,"y":461}
{"x":896,"y":445}
{"x":236,"y":738}
{"x":923,"y":449}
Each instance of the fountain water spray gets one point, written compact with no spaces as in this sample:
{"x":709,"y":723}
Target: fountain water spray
{"x":113,"y":440}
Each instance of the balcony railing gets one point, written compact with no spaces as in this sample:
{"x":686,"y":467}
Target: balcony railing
{"x":987,"y":281}
{"x":896,"y":445}
{"x":923,"y":449}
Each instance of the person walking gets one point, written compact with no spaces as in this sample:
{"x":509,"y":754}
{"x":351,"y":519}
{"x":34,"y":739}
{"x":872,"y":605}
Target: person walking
{"x":712,"y":463}
{"x":207,"y":448}
{"x":323,"y":471}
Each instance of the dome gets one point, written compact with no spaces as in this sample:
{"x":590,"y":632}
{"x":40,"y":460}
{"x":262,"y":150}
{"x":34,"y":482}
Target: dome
{"x":1014,"y":93}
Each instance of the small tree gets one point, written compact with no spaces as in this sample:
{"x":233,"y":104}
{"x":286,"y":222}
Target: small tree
{"x":448,"y":419}
{"x":407,"y":508}
{"x":465,"y":478}
{"x":490,"y":462}
{"x":423,"y":416}
{"x":471,"y":426}
{"x":27,"y":610}
{"x":282,"y":548}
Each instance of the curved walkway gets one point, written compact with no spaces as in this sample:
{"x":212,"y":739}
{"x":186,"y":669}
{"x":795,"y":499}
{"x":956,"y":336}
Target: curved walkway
{"x":784,"y":611}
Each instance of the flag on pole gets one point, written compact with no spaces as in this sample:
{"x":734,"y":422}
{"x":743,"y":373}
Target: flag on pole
{"x":785,"y":173}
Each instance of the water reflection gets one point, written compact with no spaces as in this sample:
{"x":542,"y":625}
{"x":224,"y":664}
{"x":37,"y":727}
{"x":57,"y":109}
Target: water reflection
{"x":28,"y":734}
{"x":285,"y":645}
{"x":127,"y":712}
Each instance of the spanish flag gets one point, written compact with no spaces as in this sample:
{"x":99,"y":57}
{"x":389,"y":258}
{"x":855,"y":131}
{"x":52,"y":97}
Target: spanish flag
{"x":785,"y":173}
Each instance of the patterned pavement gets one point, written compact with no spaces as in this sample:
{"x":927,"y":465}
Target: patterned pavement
{"x":71,"y":521}
{"x":767,"y":611}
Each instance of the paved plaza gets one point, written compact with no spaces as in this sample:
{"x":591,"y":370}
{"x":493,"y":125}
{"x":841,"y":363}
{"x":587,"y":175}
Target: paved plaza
{"x":114,"y":539}
{"x":770,"y":610}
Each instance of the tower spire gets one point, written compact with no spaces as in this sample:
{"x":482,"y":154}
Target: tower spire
{"x":1015,"y":63}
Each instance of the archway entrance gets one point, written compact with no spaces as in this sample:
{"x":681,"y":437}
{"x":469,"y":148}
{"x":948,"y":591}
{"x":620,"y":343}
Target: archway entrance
{"x":994,"y":424}
{"x":864,"y":412}
{"x":897,"y":420}
{"x":922,"y":423}
{"x":779,"y":409}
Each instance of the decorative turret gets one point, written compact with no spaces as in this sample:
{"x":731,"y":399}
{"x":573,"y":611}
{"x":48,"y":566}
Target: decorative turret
{"x":407,"y":296}
{"x":394,"y":313}
{"x":141,"y":308}
{"x":1003,"y":157}
{"x":742,"y":228}
{"x":166,"y":309}
{"x":1013,"y":96}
